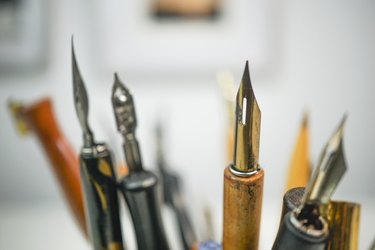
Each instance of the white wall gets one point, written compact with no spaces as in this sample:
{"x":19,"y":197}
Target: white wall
{"x":325,"y":58}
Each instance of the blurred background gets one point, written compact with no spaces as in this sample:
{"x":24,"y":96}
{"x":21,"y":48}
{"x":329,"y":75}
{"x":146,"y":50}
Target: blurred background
{"x":315,"y":56}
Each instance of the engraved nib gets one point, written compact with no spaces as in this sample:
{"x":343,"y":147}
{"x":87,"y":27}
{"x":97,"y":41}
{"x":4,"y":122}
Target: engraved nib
{"x":126,"y":122}
{"x":81,"y":102}
{"x":123,"y":107}
{"x":247,"y":127}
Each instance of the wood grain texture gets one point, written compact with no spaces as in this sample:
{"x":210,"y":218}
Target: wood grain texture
{"x":242,"y":210}
{"x":40,"y":119}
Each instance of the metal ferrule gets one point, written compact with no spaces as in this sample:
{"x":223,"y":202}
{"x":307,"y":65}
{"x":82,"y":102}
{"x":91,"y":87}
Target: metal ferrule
{"x":238,"y":173}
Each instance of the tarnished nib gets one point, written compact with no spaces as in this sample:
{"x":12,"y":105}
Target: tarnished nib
{"x":123,"y":107}
{"x":81,"y":102}
{"x":247,"y":127}
{"x":329,"y":171}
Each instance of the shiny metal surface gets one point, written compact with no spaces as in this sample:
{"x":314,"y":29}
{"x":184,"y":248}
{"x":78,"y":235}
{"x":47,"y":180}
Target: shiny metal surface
{"x":329,"y":170}
{"x":343,"y":218}
{"x":327,"y":174}
{"x":81,"y":102}
{"x":126,"y":121}
{"x":247,"y":128}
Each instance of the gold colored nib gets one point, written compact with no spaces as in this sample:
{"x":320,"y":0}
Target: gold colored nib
{"x":16,"y":109}
{"x":329,"y":171}
{"x":299,"y":168}
{"x":247,"y":127}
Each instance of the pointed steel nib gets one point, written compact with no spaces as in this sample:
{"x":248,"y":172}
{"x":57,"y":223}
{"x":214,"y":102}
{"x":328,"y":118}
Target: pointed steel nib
{"x":329,"y":171}
{"x":81,"y":102}
{"x":126,"y":121}
{"x":247,"y":127}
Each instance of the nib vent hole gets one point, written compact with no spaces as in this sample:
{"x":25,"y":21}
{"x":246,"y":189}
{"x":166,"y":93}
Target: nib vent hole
{"x":244,"y":106}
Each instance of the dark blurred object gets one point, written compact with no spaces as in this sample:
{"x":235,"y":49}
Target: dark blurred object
{"x":186,"y":8}
{"x":342,"y":217}
{"x":40,"y":119}
{"x":98,"y":178}
{"x":22,"y":35}
{"x":372,"y":247}
{"x":173,"y":195}
{"x":139,"y":186}
{"x":292,"y":200}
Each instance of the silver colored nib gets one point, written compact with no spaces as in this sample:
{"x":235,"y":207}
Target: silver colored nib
{"x":81,"y":102}
{"x":126,"y":121}
{"x":329,"y":171}
{"x":247,"y":127}
{"x":123,"y":107}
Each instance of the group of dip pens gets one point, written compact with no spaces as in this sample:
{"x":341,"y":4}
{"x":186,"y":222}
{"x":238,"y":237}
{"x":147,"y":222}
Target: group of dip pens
{"x":92,"y":182}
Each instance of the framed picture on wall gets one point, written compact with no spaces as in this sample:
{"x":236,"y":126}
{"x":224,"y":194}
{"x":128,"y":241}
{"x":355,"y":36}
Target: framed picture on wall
{"x":129,"y":37}
{"x":22,"y":34}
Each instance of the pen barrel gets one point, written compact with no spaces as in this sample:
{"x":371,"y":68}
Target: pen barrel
{"x":139,"y":190}
{"x":186,"y":229}
{"x":343,"y":220}
{"x":101,"y":201}
{"x":291,"y":200}
{"x":63,"y":160}
{"x":242,"y":210}
{"x":174,"y":198}
{"x":289,"y":237}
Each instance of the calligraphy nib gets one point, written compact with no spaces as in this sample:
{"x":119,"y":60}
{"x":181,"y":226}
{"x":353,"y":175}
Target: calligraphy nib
{"x":81,"y":102}
{"x":126,"y":122}
{"x":247,"y":127}
{"x":329,"y":171}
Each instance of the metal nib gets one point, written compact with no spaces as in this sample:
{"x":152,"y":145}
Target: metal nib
{"x":329,"y":171}
{"x":123,"y":107}
{"x":247,"y":127}
{"x":126,"y":122}
{"x":81,"y":102}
